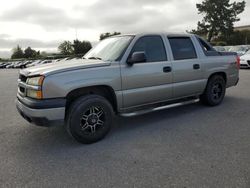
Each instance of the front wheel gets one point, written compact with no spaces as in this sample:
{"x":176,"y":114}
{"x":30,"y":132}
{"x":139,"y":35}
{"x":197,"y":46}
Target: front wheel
{"x":89,"y":119}
{"x":215,"y":91}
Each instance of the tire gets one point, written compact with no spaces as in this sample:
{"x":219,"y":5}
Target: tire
{"x":214,"y":92}
{"x":89,"y":119}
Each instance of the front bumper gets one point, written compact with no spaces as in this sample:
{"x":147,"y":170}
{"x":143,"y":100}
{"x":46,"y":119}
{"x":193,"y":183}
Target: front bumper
{"x":47,"y":113}
{"x":244,"y":64}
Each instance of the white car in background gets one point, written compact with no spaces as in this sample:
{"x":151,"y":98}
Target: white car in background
{"x":240,"y":49}
{"x":245,"y":60}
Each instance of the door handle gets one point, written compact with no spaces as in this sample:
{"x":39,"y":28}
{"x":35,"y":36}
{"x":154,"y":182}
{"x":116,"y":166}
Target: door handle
{"x":167,"y":69}
{"x":196,"y":66}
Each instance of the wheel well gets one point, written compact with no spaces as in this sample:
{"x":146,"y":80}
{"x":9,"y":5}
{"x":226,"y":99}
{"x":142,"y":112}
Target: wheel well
{"x":223,"y":74}
{"x":104,"y":91}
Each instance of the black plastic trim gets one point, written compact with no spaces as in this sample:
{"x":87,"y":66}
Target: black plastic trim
{"x":42,"y":104}
{"x":40,"y":121}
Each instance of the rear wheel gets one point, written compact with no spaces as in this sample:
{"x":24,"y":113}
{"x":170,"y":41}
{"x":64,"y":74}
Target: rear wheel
{"x":89,"y":119}
{"x":215,"y":91}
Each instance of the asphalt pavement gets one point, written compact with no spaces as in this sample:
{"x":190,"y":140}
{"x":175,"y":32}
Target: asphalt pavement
{"x":188,"y":146}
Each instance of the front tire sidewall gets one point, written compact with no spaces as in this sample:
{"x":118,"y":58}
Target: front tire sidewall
{"x":76,"y":112}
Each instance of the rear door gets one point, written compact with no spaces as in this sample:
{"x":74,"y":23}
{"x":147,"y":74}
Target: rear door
{"x":150,"y":81}
{"x":187,"y":68}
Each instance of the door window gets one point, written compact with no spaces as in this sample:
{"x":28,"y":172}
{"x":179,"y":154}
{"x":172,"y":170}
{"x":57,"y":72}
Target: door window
{"x":182,"y":48}
{"x":153,"y":48}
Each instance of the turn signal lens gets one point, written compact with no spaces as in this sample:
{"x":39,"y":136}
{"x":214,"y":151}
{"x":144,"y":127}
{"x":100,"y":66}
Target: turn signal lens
{"x":34,"y":94}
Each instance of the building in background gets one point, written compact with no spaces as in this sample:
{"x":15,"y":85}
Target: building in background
{"x":241,"y":28}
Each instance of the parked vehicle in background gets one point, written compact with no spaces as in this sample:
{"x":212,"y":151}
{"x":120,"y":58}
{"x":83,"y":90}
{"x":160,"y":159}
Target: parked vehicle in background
{"x":227,"y":48}
{"x":18,"y":64}
{"x":66,"y":59}
{"x":11,"y":65}
{"x":39,"y":62}
{"x":34,"y":63}
{"x":220,"y":48}
{"x":15,"y":64}
{"x":70,"y":60}
{"x":126,"y":75}
{"x":76,"y":58}
{"x":240,"y":50}
{"x":3,"y":65}
{"x":29,"y":63}
{"x":245,"y":60}
{"x":57,"y":60}
{"x":45,"y":62}
{"x":25,"y":63}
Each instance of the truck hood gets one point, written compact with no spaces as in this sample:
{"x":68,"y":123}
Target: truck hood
{"x":63,"y":66}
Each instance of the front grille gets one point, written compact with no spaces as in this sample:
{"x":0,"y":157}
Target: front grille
{"x":21,"y":89}
{"x":22,"y":78}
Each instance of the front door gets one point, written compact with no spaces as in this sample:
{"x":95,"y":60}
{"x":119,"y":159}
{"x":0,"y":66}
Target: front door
{"x":150,"y":81}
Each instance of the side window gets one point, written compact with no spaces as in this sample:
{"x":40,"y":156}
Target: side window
{"x":182,"y":48}
{"x":152,"y":46}
{"x":205,"y":46}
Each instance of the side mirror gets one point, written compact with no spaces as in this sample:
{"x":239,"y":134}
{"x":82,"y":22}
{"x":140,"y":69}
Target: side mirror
{"x":137,"y":57}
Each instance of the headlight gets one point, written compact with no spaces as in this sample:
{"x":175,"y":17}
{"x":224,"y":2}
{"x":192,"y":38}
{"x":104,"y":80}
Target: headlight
{"x":34,"y":94}
{"x":35,"y":81}
{"x":36,"y":90}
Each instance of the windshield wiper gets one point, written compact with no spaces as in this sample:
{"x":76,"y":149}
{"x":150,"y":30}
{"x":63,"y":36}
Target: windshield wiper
{"x":95,"y":58}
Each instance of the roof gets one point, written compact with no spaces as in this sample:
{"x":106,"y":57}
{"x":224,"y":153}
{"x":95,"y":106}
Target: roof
{"x":157,"y":33}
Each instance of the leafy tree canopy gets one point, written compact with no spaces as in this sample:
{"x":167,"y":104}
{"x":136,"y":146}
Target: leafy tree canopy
{"x":81,"y":47}
{"x":219,"y":17}
{"x":30,"y":53}
{"x":17,"y":53}
{"x":27,"y":53}
{"x":106,"y":35}
{"x":66,"y":48}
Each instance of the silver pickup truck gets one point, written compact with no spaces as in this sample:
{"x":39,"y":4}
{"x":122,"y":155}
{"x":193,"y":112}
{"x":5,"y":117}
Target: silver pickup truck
{"x":125,"y":75}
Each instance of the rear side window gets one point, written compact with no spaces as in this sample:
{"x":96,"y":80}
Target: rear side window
{"x":152,"y":46}
{"x":182,"y":48}
{"x":207,"y":48}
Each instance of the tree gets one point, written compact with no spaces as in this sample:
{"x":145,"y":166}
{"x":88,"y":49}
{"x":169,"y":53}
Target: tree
{"x":81,"y":47}
{"x":106,"y":35}
{"x":66,"y":48}
{"x":30,"y":53}
{"x":17,"y":53}
{"x":219,"y":17}
{"x":38,"y":53}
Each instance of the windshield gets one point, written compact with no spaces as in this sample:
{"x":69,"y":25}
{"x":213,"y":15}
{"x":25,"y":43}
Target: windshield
{"x":109,"y":49}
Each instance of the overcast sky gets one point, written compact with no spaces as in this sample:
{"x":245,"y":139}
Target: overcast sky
{"x":43,"y":24}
